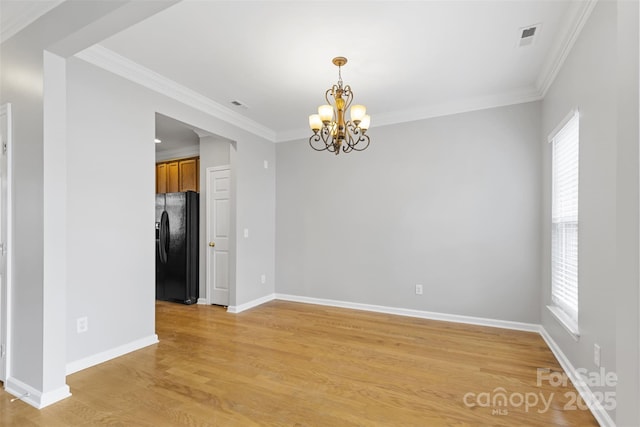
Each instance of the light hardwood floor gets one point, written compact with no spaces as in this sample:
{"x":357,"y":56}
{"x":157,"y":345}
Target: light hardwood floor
{"x":290,"y":364}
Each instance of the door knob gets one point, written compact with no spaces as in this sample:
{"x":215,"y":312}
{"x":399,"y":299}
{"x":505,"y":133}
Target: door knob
{"x":212,"y":244}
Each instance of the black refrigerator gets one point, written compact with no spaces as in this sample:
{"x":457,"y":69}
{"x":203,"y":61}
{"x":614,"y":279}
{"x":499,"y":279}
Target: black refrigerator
{"x":177,"y":247}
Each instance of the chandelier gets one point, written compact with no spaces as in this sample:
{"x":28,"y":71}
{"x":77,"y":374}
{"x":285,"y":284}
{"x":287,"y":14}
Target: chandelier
{"x":330,"y":130}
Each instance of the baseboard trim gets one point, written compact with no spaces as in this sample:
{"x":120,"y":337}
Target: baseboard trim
{"x":96,"y":359}
{"x":600,"y":414}
{"x":251,"y":304}
{"x":35,"y":398}
{"x":202,"y":301}
{"x":431,"y":315}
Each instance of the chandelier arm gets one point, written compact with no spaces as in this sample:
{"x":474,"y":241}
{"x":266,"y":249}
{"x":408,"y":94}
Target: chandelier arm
{"x":316,"y":138}
{"x":322,"y":135}
{"x":362,"y":138}
{"x":349,"y":137}
{"x":356,"y":134}
{"x":349,"y":94}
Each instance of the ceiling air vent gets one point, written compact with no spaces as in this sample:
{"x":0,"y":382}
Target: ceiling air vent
{"x":527,"y":35}
{"x":240,"y":104}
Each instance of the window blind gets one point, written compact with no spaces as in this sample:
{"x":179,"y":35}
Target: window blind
{"x":564,"y":221}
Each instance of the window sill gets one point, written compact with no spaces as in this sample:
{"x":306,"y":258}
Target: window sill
{"x":565,"y":321}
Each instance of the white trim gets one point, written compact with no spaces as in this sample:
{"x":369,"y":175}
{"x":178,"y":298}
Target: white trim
{"x":600,"y":414}
{"x":104,"y":356}
{"x":567,"y":323}
{"x":435,"y":110}
{"x":29,"y":13}
{"x":124,"y":67}
{"x":203,"y":301}
{"x":251,"y":304}
{"x":6,"y":310}
{"x":33,"y":397}
{"x":456,"y":318}
{"x":555,"y":61}
{"x":178,"y":153}
{"x":563,"y":122}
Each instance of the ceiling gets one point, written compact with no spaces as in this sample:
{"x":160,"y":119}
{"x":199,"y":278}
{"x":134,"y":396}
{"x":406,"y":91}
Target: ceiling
{"x":17,"y":14}
{"x":408,"y":60}
{"x":175,"y":136}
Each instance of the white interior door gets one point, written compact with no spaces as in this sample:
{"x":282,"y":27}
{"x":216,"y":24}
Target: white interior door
{"x":5,"y":140}
{"x":218,"y":233}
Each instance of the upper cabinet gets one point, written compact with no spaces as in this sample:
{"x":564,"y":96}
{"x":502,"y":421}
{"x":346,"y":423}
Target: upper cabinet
{"x":178,"y":175}
{"x":161,"y":178}
{"x":188,"y":173}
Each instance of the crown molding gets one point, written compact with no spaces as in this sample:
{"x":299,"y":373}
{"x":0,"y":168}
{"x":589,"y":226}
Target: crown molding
{"x":30,"y":11}
{"x":178,"y":153}
{"x":577,"y":19}
{"x":123,"y":67}
{"x":117,"y":64}
{"x":436,"y":110}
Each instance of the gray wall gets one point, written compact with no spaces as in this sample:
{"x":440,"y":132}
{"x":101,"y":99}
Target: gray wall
{"x":591,"y":81}
{"x":26,"y":96}
{"x":628,"y":279}
{"x":110,"y":211}
{"x":452,"y":203}
{"x":111,"y":252}
{"x":33,"y":81}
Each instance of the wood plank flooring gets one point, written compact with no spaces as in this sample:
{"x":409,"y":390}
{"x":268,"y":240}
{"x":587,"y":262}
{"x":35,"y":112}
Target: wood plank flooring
{"x":290,"y":364}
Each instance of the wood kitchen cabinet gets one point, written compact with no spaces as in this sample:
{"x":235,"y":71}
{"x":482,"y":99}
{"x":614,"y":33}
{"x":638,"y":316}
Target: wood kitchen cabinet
{"x":161,"y":178}
{"x":188,"y":172}
{"x":178,"y":175}
{"x":173,"y":177}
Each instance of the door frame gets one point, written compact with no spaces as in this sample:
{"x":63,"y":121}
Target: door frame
{"x":208,"y":273}
{"x":7,"y":233}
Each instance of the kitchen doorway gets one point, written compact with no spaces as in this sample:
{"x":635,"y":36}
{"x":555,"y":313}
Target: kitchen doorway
{"x":182,"y":146}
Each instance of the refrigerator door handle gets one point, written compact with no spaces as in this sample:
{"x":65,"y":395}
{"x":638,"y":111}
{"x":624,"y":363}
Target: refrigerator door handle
{"x":164,"y":237}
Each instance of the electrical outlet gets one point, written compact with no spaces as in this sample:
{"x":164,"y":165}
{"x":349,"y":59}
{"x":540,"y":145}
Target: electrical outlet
{"x":82,"y":324}
{"x":596,"y":355}
{"x":246,"y":233}
{"x":263,"y":279}
{"x":418,"y":289}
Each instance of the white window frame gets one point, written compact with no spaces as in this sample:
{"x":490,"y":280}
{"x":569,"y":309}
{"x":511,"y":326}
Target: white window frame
{"x":565,"y":143}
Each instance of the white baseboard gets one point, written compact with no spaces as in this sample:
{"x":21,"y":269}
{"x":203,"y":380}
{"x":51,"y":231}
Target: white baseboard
{"x":496,"y":323}
{"x":600,"y":414}
{"x":203,"y":301}
{"x":34,"y":397}
{"x":247,"y":305}
{"x":96,"y":359}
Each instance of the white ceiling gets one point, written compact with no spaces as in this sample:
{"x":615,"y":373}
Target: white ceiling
{"x":407,"y":59}
{"x":175,"y":135}
{"x":17,"y":14}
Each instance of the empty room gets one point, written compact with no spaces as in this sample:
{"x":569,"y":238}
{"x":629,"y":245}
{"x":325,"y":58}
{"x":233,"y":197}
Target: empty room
{"x":337,"y":213}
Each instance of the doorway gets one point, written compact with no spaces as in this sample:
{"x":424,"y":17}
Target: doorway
{"x":179,"y":141}
{"x":5,"y":237}
{"x":218,"y":229}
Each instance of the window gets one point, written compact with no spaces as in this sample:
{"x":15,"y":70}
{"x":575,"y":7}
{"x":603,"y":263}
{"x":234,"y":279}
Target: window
{"x":564,"y":224}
